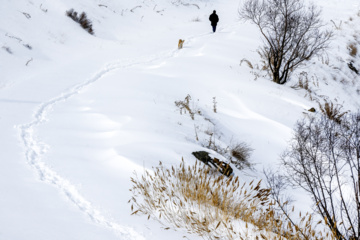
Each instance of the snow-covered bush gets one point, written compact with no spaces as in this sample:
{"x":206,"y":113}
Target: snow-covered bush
{"x":82,"y":19}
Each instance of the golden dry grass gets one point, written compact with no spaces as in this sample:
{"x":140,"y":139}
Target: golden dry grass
{"x":184,"y":106}
{"x":332,"y":111}
{"x":240,"y":154}
{"x":213,"y":206}
{"x":352,"y":49}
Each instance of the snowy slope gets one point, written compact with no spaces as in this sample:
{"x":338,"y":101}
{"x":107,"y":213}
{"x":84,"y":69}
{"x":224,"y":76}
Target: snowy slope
{"x":79,"y":113}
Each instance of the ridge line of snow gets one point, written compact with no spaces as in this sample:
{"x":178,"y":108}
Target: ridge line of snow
{"x":34,"y":149}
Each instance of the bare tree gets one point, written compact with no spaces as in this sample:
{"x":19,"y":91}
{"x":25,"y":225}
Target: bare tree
{"x":291,"y":33}
{"x":324,"y":160}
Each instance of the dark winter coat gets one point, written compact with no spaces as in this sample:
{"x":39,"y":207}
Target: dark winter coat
{"x":214,"y":19}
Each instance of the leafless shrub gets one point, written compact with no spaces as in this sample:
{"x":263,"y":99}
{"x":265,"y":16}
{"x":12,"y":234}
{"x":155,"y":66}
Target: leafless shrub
{"x":306,"y":226}
{"x":208,"y":136}
{"x":247,"y":62}
{"x":236,"y":153}
{"x":324,"y":160}
{"x":82,"y":19}
{"x":291,"y":33}
{"x":85,"y":23}
{"x":332,"y":111}
{"x":240,"y":155}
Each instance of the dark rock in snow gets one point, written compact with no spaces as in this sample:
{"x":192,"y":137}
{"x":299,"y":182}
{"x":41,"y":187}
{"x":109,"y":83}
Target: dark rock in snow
{"x":221,"y":166}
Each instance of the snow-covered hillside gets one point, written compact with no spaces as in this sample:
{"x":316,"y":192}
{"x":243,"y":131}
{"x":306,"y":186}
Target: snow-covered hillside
{"x":79,"y":113}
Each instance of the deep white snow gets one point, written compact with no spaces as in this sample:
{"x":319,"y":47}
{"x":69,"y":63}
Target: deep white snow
{"x":80,"y":113}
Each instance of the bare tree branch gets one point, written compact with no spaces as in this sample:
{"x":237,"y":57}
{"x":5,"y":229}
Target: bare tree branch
{"x":324,"y":160}
{"x":290,"y":31}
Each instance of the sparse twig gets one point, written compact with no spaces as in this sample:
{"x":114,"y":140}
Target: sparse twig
{"x":13,"y":37}
{"x":43,"y":9}
{"x":214,"y":105}
{"x":82,"y":19}
{"x":337,"y":27}
{"x":132,"y":10}
{"x":179,"y":2}
{"x":28,"y":62}
{"x":28,"y":16}
{"x":7,"y":49}
{"x":27,"y":46}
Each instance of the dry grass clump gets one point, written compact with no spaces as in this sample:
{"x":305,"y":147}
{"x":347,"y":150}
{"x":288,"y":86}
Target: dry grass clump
{"x":184,"y":106}
{"x":258,"y":70}
{"x":352,"y":49}
{"x":197,"y":200}
{"x":307,"y":83}
{"x":337,"y":26}
{"x":332,"y":111}
{"x":196,"y":19}
{"x":247,"y":62}
{"x":212,"y":206}
{"x":240,"y":154}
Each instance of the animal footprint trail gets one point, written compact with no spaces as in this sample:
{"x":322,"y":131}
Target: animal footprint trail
{"x":35,"y":149}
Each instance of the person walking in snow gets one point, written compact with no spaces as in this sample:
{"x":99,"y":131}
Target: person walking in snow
{"x":214,"y":19}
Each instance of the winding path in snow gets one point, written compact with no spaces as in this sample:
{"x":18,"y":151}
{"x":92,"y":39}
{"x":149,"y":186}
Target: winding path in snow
{"x":35,"y":149}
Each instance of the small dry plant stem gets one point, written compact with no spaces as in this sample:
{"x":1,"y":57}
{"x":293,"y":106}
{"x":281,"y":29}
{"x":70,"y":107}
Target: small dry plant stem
{"x":214,"y":104}
{"x":332,"y":111}
{"x":185,"y":106}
